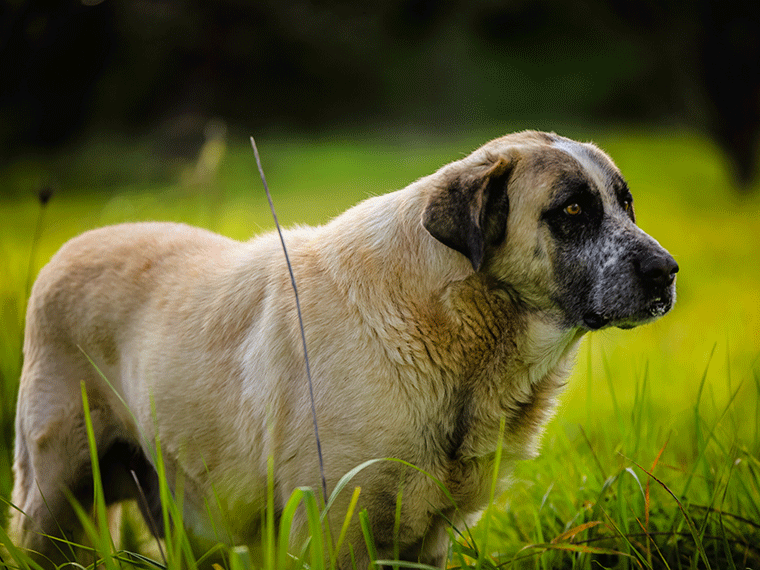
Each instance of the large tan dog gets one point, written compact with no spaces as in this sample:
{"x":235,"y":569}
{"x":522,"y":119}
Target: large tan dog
{"x":431,"y":314}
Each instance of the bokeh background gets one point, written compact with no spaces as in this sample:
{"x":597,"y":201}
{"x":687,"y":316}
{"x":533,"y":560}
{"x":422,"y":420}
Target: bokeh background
{"x":163,"y":68}
{"x":141,"y":109}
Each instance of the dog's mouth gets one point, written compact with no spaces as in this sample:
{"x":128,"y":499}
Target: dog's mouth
{"x":654,"y":309}
{"x":595,"y":321}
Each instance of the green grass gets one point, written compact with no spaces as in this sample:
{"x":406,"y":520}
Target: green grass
{"x":653,"y":458}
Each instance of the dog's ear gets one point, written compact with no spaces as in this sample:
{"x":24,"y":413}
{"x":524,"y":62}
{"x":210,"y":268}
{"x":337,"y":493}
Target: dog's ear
{"x":469,"y":212}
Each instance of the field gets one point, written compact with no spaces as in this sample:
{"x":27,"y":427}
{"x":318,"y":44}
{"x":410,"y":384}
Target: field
{"x":653,"y":460}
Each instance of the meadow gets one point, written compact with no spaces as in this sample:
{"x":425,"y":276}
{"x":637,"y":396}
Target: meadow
{"x":653,"y":460}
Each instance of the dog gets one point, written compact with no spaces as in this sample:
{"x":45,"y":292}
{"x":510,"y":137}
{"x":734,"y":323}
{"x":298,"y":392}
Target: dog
{"x":434,"y":315}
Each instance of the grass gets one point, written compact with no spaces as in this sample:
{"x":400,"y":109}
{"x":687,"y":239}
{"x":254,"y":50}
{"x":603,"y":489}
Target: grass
{"x":653,"y":459}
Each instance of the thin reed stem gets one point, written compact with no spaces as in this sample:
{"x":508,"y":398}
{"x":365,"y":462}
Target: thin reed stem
{"x":300,"y":321}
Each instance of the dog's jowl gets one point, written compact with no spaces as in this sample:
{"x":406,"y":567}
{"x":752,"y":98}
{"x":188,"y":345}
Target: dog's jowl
{"x":431,"y":314}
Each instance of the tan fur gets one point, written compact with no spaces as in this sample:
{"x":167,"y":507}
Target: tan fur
{"x":414,"y":355}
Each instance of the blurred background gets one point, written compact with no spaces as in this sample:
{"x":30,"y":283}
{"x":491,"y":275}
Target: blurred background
{"x":174,"y":73}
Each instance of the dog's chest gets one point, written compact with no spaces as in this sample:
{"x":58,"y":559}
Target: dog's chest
{"x":509,"y":397}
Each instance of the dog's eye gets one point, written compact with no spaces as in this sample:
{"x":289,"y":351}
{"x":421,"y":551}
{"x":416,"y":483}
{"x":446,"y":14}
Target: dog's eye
{"x":573,"y":209}
{"x":627,"y":205}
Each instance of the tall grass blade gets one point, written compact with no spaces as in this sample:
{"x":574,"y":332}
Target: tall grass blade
{"x":597,"y":510}
{"x":531,"y":550}
{"x":404,"y":564}
{"x":115,"y":393}
{"x":613,"y":396}
{"x":698,"y":423}
{"x":649,"y":543}
{"x":689,"y":522}
{"x":305,"y":496}
{"x":345,"y":480}
{"x":397,"y":526}
{"x":594,"y":455}
{"x":240,"y":558}
{"x":315,"y":529}
{"x":756,"y":376}
{"x":589,"y":381}
{"x":702,"y":450}
{"x":633,"y":553}
{"x":286,"y":523}
{"x":491,"y":496}
{"x":300,"y":322}
{"x":269,"y":550}
{"x":22,"y":560}
{"x":346,"y":522}
{"x":151,"y":522}
{"x":176,"y":541}
{"x":141,"y":561}
{"x":724,"y":539}
{"x":102,"y":539}
{"x":369,"y":540}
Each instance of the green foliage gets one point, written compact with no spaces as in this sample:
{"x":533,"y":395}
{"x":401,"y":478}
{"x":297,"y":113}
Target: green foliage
{"x":652,"y":461}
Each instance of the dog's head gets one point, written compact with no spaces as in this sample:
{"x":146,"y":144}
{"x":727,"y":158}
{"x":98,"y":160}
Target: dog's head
{"x":552,"y":220}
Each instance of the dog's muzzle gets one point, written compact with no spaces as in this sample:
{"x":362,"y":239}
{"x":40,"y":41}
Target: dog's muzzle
{"x":638,"y":289}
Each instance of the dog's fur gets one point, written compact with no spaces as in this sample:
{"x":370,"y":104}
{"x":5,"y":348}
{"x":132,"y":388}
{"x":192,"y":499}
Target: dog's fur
{"x":431,"y":314}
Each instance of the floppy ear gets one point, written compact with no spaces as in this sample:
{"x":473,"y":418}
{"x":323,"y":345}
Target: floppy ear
{"x":470,"y":211}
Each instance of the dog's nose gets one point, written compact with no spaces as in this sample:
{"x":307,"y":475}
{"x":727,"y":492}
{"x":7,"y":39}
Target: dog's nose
{"x":658,"y":269}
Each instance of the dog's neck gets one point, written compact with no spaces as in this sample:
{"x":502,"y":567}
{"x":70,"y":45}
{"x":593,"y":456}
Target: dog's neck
{"x":482,"y":350}
{"x":515,"y":371}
